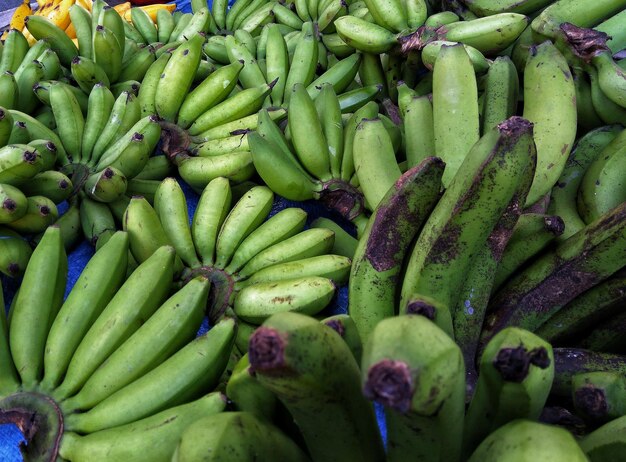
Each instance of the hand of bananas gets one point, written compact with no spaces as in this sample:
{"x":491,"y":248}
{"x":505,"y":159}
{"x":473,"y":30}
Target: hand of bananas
{"x":456,"y":169}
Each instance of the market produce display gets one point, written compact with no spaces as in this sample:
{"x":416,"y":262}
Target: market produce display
{"x":470,"y":160}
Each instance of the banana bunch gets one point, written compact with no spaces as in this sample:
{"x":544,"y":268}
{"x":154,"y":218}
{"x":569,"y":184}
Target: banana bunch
{"x":399,"y":26}
{"x":115,"y":370}
{"x":256,"y":265}
{"x":22,"y":66}
{"x":160,"y":26}
{"x":325,"y":158}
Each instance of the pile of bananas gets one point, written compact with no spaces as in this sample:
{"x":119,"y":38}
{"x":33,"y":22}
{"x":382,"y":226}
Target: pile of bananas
{"x":470,"y":160}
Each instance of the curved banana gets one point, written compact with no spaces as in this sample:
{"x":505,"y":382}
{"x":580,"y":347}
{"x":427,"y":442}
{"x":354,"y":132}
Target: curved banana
{"x":36,"y":305}
{"x":138,"y":297}
{"x":455,"y":108}
{"x":552,"y":110}
{"x":146,"y":439}
{"x":190,"y":372}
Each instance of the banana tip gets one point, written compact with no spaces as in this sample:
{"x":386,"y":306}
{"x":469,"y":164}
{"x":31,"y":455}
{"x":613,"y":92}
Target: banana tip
{"x":389,"y":382}
{"x":266,"y":350}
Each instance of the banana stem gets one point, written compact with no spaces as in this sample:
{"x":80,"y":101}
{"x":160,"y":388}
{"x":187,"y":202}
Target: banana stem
{"x":39,"y":419}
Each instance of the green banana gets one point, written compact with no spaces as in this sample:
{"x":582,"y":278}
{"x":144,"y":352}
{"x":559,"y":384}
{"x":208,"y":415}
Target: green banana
{"x":374,"y":160}
{"x":152,"y":438}
{"x":304,"y":244}
{"x":364,"y":36}
{"x":149,"y":84}
{"x":106,"y":185}
{"x":601,"y":188}
{"x":40,"y":214}
{"x":307,"y":134}
{"x":9,"y":381}
{"x":143,"y":23}
{"x":580,"y":13}
{"x":605,"y":442}
{"x":36,"y":306}
{"x":8,"y":90}
{"x":174,"y":324}
{"x":14,"y":203}
{"x":242,"y":104}
{"x":125,"y":113}
{"x":240,"y":435}
{"x":18,"y":163}
{"x":510,"y":144}
{"x":14,"y":256}
{"x":220,"y":146}
{"x":533,"y":233}
{"x":307,"y":295}
{"x":595,"y":304}
{"x":250,"y":75}
{"x":170,"y":205}
{"x":550,"y":104}
{"x":198,"y":171}
{"x":523,"y":438}
{"x":385,"y":241}
{"x":87,"y":73}
{"x":26,"y":99}
{"x":247,"y":214}
{"x":191,"y":371}
{"x":592,"y":253}
{"x":177,"y":77}
{"x":140,"y":217}
{"x":613,"y":28}
{"x":487,"y":8}
{"x":81,"y":20}
{"x":213,"y":90}
{"x":276,"y":229}
{"x":100,"y":279}
{"x":41,"y":27}
{"x":247,"y":394}
{"x":138,"y":297}
{"x":52,"y":184}
{"x":15,"y":48}
{"x":293,"y":355}
{"x":501,"y":93}
{"x":455,"y":108}
{"x":277,"y":165}
{"x":490,"y":34}
{"x":564,"y":193}
{"x":107,"y":52}
{"x":596,"y":396}
{"x":213,"y":206}
{"x":415,"y":370}
{"x":345,"y":243}
{"x":136,"y":67}
{"x":329,"y":266}
{"x":130,"y":153}
{"x":508,"y":386}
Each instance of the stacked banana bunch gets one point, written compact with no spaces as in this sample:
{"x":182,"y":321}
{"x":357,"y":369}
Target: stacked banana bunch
{"x":475,"y":148}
